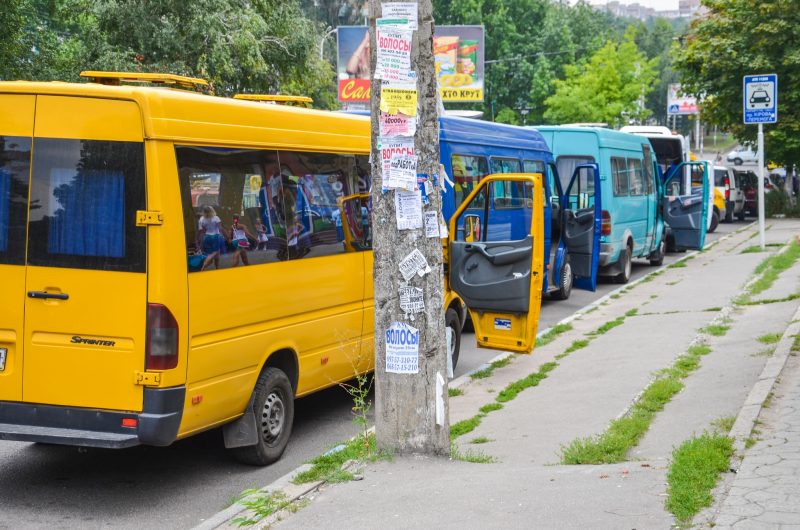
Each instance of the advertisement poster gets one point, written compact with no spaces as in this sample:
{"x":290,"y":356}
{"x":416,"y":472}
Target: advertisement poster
{"x":677,"y":103}
{"x":459,"y":55}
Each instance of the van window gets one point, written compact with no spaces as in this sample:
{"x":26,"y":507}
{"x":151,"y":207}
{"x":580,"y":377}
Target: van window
{"x":635,"y":177}
{"x":15,"y":165}
{"x":619,"y":175}
{"x":582,"y":192}
{"x":312,"y":184}
{"x":220,"y":184}
{"x":467,"y":173}
{"x":533,"y":166}
{"x":566,"y":166}
{"x":83,"y":203}
{"x":719,"y":177}
{"x":648,"y":167}
{"x":506,"y":165}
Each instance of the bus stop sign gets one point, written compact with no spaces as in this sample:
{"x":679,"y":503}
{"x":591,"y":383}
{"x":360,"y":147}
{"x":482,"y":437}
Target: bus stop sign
{"x":760,"y":98}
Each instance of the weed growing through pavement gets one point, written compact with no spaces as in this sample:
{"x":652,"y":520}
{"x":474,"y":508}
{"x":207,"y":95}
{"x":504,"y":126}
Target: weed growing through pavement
{"x":769,"y":270}
{"x":513,"y":389}
{"x":744,"y":302}
{"x":624,"y":433}
{"x":486,"y":372}
{"x":475,"y":457}
{"x":551,"y":335}
{"x":453,"y":392}
{"x":575,"y":346}
{"x":770,"y":338}
{"x":724,"y":425}
{"x":678,"y":265}
{"x":261,"y":504}
{"x":480,"y":440}
{"x":713,"y":309}
{"x":462,"y":427}
{"x":491,"y":407}
{"x":719,"y":329}
{"x":608,"y":326}
{"x":328,"y":467}
{"x":693,"y":473}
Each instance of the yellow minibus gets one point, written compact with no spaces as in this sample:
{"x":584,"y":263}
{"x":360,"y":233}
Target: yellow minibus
{"x":174,"y":261}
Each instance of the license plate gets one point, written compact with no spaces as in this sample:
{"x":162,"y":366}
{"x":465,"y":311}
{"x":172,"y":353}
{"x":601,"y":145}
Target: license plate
{"x":3,"y":354}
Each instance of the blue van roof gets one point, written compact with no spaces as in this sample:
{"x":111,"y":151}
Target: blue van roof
{"x":605,"y":137}
{"x":470,"y":131}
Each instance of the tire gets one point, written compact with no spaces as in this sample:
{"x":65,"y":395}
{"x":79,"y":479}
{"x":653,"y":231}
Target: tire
{"x":714,"y":221}
{"x":452,"y":321}
{"x":657,"y":259}
{"x":273,"y":405}
{"x":737,"y":161}
{"x":564,"y":283}
{"x":626,"y":260}
{"x":740,"y":215}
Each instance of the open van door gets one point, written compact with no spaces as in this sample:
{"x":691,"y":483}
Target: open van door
{"x":496,"y":262}
{"x":582,"y":224}
{"x":686,"y":204}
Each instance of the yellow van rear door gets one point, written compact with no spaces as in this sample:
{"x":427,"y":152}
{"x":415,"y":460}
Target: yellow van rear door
{"x":86,"y":285}
{"x":496,"y":259}
{"x":16,"y":130}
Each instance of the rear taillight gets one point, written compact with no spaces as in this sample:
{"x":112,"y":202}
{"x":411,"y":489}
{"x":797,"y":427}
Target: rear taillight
{"x":727,"y":183}
{"x":605,"y":229}
{"x":162,"y":339}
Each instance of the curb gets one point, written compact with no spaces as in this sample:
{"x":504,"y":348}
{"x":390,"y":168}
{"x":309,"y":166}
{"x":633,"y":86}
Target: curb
{"x":746,"y":419}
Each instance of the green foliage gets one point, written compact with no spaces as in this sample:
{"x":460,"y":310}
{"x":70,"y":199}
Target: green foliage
{"x":552,"y":333}
{"x":773,"y":266}
{"x":513,"y":389}
{"x":264,"y":46}
{"x":770,"y":338}
{"x":694,"y":471}
{"x":608,"y":88}
{"x":328,"y":467}
{"x":740,"y":37}
{"x":464,"y":426}
{"x":454,"y":392}
{"x":261,"y":505}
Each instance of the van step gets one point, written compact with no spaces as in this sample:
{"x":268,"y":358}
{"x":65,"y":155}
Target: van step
{"x":54,"y":435}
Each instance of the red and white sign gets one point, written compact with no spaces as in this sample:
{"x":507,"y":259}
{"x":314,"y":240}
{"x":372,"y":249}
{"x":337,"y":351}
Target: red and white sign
{"x":678,"y":103}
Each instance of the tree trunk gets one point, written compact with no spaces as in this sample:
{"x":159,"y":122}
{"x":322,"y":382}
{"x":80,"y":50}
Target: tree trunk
{"x":405,"y":403}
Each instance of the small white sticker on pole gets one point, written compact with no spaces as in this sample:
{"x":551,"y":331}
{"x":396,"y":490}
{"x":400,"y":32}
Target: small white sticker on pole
{"x":414,"y":263}
{"x":432,"y":228}
{"x":439,"y":399}
{"x":412,"y":300}
{"x":402,"y":349}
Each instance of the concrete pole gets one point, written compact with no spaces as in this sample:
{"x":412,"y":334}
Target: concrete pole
{"x":406,"y":403}
{"x":761,"y":185}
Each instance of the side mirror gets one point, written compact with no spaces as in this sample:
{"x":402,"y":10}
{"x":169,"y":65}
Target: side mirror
{"x":472,"y":228}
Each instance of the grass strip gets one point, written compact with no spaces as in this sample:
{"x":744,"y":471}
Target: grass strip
{"x":328,"y":467}
{"x":552,"y":333}
{"x":770,"y":338}
{"x":624,"y":433}
{"x":486,"y":372}
{"x":693,"y":473}
{"x":454,"y":392}
{"x":608,"y":326}
{"x":575,"y":346}
{"x":789,"y":298}
{"x":769,"y":269}
{"x":513,"y":389}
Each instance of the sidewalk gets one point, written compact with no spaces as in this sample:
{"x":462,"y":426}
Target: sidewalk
{"x":526,"y":486}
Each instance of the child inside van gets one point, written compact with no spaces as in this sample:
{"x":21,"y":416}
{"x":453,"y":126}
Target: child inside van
{"x":211,"y":232}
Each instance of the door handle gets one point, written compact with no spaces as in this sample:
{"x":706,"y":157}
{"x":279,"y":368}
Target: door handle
{"x":44,"y":295}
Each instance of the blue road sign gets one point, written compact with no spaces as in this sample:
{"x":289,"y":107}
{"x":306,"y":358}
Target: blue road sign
{"x":760,"y":98}
{"x":673,"y":109}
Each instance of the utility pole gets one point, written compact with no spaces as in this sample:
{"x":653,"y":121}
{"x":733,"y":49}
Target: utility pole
{"x":411,"y":413}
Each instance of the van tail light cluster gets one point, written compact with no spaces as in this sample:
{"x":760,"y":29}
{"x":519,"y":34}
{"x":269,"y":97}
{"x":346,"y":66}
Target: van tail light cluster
{"x":727,"y":188}
{"x":606,"y":223}
{"x":162,"y":338}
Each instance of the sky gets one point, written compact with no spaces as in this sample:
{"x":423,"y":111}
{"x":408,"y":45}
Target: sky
{"x":660,"y":5}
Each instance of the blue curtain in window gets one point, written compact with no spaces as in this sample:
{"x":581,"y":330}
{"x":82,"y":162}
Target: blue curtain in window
{"x":5,"y":207}
{"x":89,"y":216}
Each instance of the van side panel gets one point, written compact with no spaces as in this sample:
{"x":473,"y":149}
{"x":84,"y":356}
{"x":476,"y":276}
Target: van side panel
{"x":16,"y":120}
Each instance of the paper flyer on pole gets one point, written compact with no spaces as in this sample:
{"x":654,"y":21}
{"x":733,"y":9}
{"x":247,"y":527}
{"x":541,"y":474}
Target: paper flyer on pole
{"x":393,"y":57}
{"x":393,"y":146}
{"x":402,"y":173}
{"x":399,"y":99}
{"x":397,"y":125}
{"x":408,"y":209}
{"x":402,"y":349}
{"x":401,"y":10}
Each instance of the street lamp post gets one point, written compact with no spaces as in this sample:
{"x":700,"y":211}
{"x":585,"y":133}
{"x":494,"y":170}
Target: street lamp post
{"x":322,"y":42}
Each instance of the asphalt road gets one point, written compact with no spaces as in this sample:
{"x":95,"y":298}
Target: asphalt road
{"x":181,"y":485}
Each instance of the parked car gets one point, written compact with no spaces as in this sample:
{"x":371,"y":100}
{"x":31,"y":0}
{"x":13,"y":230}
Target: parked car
{"x":725,"y":182}
{"x":741,"y":155}
{"x":748,"y":183}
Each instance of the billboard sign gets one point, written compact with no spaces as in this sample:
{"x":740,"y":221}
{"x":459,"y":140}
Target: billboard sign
{"x":678,"y":103}
{"x":458,"y":53}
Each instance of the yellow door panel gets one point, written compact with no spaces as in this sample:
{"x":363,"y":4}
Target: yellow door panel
{"x":88,"y":119}
{"x":83,"y":350}
{"x":496,"y":259}
{"x":12,"y":297}
{"x":368,"y":333}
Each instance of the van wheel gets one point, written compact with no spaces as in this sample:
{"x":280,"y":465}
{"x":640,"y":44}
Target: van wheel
{"x":729,"y":215}
{"x":627,"y":266}
{"x":273,"y":405}
{"x":737,"y":161}
{"x":740,"y":215}
{"x":657,"y":259}
{"x":564,"y":282}
{"x":714,"y":221}
{"x":452,"y":321}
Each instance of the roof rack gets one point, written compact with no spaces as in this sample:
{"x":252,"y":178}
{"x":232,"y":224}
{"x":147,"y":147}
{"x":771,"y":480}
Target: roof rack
{"x":274,"y":98}
{"x":117,"y":78}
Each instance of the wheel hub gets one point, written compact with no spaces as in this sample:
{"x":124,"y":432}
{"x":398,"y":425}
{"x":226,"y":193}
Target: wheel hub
{"x":272,"y":417}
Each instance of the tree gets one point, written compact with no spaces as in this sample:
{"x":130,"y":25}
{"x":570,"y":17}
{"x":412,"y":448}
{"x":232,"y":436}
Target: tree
{"x":737,"y":38}
{"x":610,"y":87}
{"x":406,"y":403}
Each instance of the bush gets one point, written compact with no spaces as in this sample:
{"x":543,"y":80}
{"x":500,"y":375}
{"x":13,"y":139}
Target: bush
{"x":776,"y":201}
